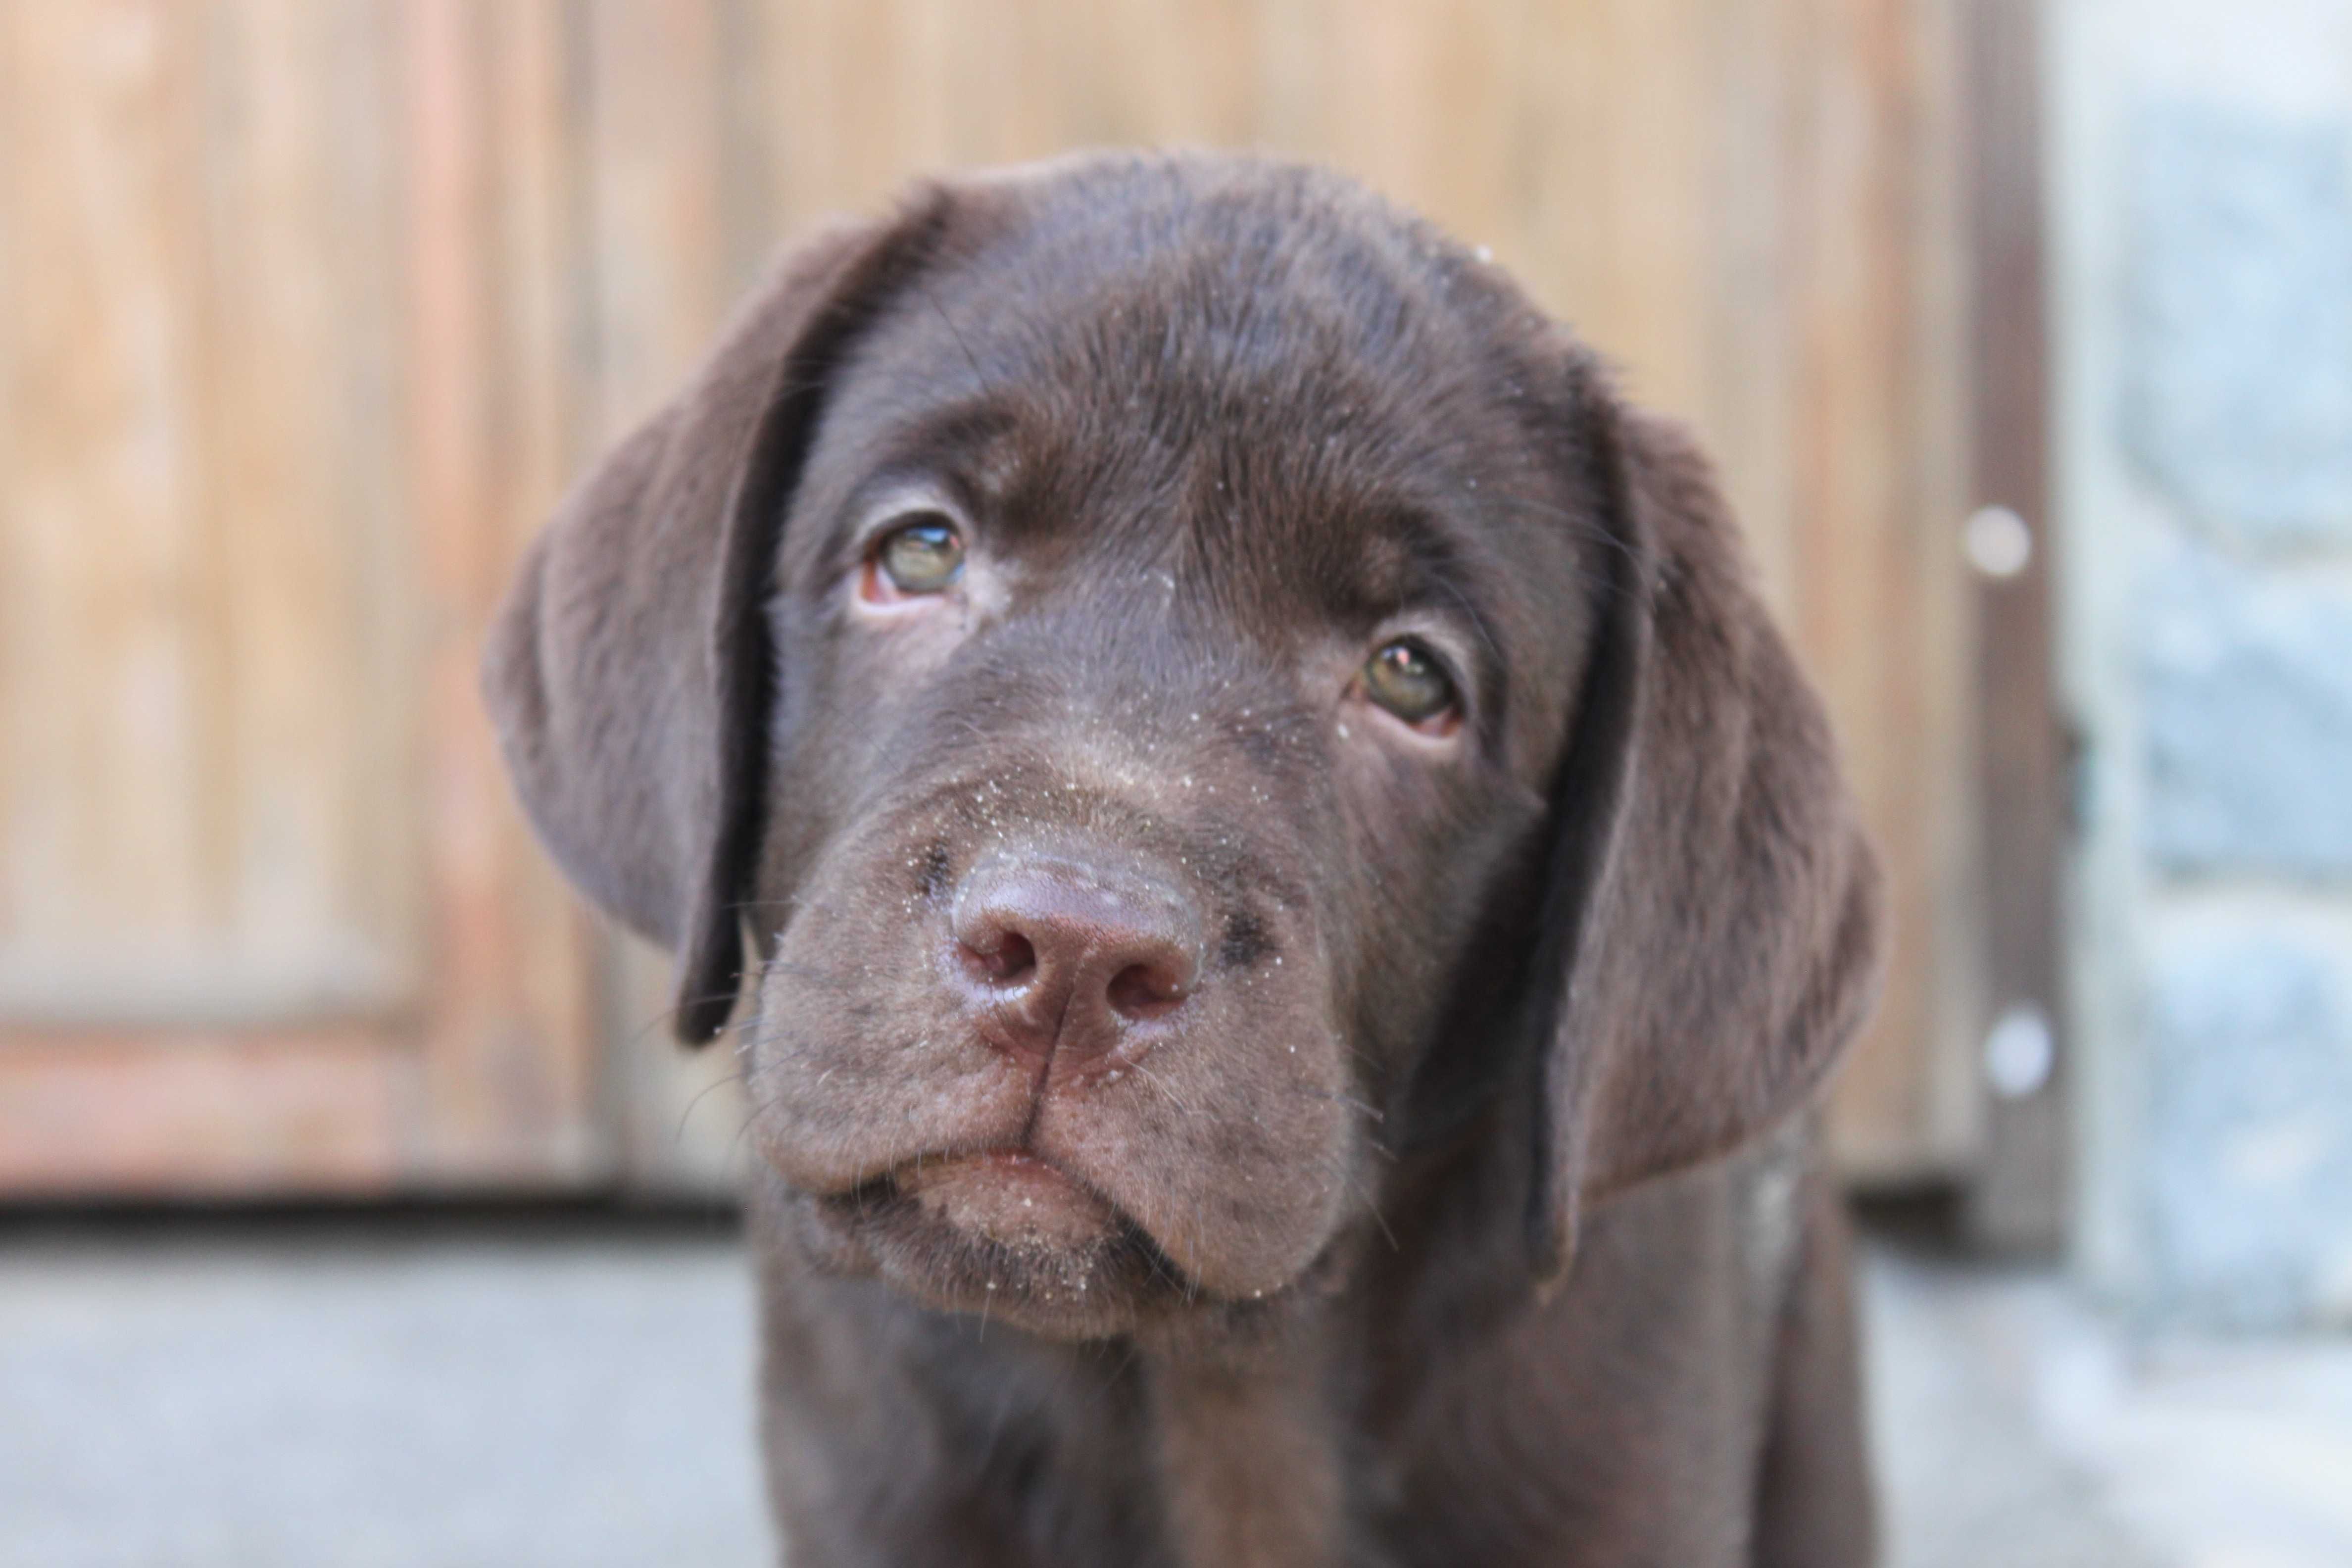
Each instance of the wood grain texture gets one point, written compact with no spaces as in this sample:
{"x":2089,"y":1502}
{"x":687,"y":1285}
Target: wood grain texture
{"x":508,"y":1038}
{"x":308,"y":311}
{"x":205,"y":1113}
{"x":202,"y":675}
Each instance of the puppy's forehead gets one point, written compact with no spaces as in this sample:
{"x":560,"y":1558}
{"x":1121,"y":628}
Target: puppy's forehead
{"x":1263,"y":357}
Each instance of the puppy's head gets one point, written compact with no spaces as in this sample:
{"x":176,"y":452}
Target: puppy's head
{"x":1187,"y":683}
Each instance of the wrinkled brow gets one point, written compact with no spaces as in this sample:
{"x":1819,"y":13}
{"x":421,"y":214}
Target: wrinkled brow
{"x":971,"y":450}
{"x":1410,"y":559}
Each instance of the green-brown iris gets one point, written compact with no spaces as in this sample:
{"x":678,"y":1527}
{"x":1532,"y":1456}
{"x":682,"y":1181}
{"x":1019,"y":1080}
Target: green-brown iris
{"x":1405,"y":679}
{"x":924,"y":556}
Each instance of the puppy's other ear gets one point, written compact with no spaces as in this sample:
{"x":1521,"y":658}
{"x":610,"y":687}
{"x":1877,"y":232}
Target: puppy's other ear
{"x":630,"y":672}
{"x":1710,"y":934}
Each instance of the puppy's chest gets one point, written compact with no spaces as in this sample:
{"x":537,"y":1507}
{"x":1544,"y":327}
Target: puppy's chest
{"x":1497,"y":1463}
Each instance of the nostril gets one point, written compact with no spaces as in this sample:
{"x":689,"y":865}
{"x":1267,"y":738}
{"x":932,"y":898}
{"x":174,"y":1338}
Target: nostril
{"x":1001,"y":958}
{"x":1146,"y":990}
{"x":1055,"y":954}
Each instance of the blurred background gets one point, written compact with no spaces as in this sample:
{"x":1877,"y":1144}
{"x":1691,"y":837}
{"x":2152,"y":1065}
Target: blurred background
{"x":354,"y":1205}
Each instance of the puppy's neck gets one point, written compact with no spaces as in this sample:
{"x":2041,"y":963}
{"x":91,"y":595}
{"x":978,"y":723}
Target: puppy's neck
{"x":1253,"y":1431}
{"x":1249,"y":1454}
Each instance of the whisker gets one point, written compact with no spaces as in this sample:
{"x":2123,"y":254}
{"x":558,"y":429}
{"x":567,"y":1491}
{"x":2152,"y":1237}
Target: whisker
{"x":678,"y":1134}
{"x":1166,"y":1088}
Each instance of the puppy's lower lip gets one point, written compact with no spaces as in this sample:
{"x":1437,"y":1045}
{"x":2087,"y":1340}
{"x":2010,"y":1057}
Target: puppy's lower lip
{"x":1010,"y":1197}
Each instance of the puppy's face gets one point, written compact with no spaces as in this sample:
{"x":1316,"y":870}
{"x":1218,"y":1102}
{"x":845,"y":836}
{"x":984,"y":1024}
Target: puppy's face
{"x":1176,"y":634}
{"x":1192,"y":684}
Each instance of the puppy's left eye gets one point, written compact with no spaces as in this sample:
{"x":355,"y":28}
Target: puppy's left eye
{"x":1405,"y":679}
{"x":922,"y":556}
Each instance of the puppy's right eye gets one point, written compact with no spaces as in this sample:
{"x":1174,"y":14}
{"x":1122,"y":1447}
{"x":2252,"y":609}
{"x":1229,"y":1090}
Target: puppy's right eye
{"x":1405,"y":679}
{"x":921,"y":556}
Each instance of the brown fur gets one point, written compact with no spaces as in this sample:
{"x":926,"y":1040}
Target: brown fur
{"x":1446,"y":1194}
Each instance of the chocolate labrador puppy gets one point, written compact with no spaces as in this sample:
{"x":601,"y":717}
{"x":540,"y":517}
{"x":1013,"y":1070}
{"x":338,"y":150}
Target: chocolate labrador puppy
{"x":1295,"y":903}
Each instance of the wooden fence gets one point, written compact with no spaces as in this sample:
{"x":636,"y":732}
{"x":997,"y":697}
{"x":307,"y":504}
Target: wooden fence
{"x":308,"y":309}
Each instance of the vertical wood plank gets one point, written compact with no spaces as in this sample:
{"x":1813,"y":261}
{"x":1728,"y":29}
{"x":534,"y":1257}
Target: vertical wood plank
{"x":1871,"y":587}
{"x":1943,"y":811}
{"x":653,"y":118}
{"x":2022,"y":1198}
{"x":1749,"y":280}
{"x":305,"y":581}
{"x":204,"y":673}
{"x":105,"y":689}
{"x":509,"y":1044}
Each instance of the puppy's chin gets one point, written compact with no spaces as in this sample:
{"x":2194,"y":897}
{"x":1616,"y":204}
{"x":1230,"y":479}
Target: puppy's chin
{"x":1006,"y":1237}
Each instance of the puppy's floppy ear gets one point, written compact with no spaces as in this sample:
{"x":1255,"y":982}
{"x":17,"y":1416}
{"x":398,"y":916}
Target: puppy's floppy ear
{"x":1710,"y":934}
{"x":630,"y":672}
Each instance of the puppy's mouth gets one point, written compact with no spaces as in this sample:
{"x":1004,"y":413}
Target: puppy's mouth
{"x":1015,"y":1200}
{"x":1007,"y":1235}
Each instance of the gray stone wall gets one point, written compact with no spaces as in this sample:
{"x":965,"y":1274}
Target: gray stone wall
{"x":2203,"y":216}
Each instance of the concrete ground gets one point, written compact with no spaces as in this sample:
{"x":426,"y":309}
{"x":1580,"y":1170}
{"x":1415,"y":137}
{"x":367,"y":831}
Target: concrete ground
{"x":433,"y":1391}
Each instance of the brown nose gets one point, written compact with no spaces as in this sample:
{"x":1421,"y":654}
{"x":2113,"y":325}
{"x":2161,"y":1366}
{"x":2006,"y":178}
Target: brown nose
{"x":1067,"y":954}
